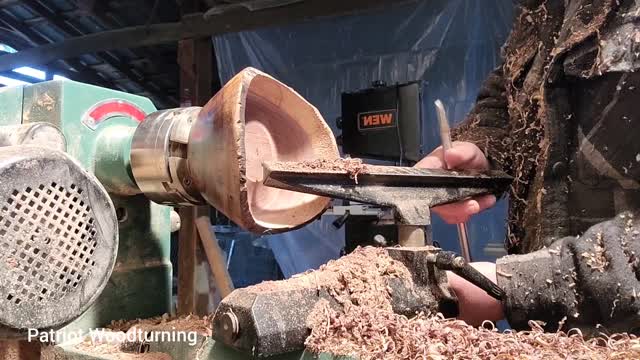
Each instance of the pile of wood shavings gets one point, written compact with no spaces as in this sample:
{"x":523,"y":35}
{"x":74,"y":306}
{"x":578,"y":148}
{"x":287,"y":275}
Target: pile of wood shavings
{"x":127,"y":351}
{"x":367,"y":328}
{"x":359,"y":278}
{"x":372,"y":334}
{"x":201,"y":325}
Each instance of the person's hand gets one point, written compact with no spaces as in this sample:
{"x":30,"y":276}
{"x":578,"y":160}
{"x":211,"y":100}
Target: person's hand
{"x":474,"y":303}
{"x":462,"y":156}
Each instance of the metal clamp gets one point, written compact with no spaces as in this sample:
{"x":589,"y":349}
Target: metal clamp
{"x":159,"y":157}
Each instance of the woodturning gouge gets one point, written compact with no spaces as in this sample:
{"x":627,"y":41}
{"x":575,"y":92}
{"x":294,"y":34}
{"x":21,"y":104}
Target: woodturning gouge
{"x":410,"y":192}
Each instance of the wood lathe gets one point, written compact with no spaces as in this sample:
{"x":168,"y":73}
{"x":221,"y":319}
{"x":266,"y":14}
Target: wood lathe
{"x":274,"y":320}
{"x":90,"y":175}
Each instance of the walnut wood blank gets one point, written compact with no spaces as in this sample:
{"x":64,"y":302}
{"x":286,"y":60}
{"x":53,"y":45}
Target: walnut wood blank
{"x":256,"y":118}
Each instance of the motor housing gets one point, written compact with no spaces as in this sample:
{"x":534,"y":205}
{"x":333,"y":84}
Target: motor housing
{"x":58,"y":238}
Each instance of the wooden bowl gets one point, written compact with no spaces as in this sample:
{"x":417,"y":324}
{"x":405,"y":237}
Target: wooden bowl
{"x":256,"y":118}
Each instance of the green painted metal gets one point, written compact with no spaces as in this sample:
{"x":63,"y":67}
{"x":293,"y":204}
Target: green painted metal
{"x":11,"y":105}
{"x":140,"y":285}
{"x":113,"y":159}
{"x":64,"y":103}
{"x":141,"y":282}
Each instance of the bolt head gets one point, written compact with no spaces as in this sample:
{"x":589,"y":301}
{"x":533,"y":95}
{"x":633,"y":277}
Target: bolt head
{"x":230,"y":326}
{"x":380,"y":240}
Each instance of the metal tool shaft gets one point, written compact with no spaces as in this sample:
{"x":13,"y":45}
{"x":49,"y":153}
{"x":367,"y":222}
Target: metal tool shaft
{"x":448,"y":260}
{"x":445,"y":136}
{"x":410,"y":192}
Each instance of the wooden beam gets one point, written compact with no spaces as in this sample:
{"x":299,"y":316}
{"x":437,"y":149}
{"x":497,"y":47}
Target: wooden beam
{"x":187,"y":245}
{"x":160,"y":64}
{"x":191,"y":26}
{"x":195,"y":70}
{"x":66,"y":14}
{"x":215,"y":257}
{"x":194,"y":60}
{"x":109,"y":59}
{"x":20,"y":77}
{"x":34,"y":39}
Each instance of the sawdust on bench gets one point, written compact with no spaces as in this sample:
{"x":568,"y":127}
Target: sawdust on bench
{"x":353,"y":167}
{"x":109,"y":351}
{"x":201,"y":325}
{"x":374,"y":334}
{"x":366,"y":327}
{"x":358,"y":279}
{"x":164,"y":323}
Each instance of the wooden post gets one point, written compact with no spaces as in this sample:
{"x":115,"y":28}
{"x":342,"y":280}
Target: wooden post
{"x":411,"y":236}
{"x":195,"y":62}
{"x":196,"y":71}
{"x":187,"y":245}
{"x":215,"y":257}
{"x":20,"y":349}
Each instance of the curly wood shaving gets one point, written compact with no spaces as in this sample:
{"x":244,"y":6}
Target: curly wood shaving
{"x":366,"y":327}
{"x":353,"y":167}
{"x":597,"y":259}
{"x":369,"y":334}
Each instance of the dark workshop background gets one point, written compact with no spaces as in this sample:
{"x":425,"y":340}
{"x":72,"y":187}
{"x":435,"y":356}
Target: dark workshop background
{"x":451,"y":45}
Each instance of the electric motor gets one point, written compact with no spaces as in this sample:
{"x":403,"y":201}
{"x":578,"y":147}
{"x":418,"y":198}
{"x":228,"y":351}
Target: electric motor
{"x":58,"y":238}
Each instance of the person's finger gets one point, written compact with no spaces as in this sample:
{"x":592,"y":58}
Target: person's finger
{"x":461,"y":211}
{"x":465,"y":155}
{"x":486,"y":201}
{"x":474,"y":303}
{"x":457,"y":212}
{"x":431,"y":161}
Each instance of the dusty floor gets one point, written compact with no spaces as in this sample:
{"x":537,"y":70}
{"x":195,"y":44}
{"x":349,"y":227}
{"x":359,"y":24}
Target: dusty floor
{"x":128,"y":351}
{"x":201,"y":325}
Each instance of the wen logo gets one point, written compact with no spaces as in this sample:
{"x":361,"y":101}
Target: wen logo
{"x":377,"y":119}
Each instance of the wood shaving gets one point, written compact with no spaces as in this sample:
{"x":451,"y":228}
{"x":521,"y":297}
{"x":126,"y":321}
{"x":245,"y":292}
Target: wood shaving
{"x":358,"y":279}
{"x":110,"y":351}
{"x":115,"y":350}
{"x":507,"y":275}
{"x":366,"y":327}
{"x":369,"y":334}
{"x":352,"y":166}
{"x":201,"y":325}
{"x":597,"y":259}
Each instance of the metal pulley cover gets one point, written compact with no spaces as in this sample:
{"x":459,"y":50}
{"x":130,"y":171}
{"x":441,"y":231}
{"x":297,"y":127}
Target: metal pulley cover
{"x":58,"y":238}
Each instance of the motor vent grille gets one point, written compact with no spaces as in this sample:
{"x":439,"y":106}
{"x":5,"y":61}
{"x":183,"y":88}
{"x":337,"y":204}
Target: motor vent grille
{"x":48,"y":239}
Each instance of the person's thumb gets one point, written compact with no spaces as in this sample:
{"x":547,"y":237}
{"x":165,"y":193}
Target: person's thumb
{"x":466,"y":156}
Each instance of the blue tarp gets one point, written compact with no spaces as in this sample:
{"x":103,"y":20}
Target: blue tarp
{"x":449,"y":44}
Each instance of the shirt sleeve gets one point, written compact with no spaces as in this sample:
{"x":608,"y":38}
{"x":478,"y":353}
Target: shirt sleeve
{"x":580,"y":282}
{"x":487,"y":123}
